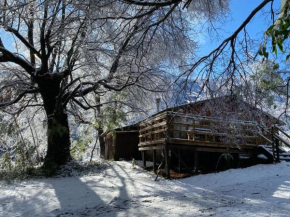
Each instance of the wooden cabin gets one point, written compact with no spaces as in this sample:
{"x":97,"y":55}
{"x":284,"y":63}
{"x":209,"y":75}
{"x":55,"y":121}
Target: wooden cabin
{"x":197,"y":134}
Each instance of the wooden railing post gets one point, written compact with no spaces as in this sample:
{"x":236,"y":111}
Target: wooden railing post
{"x":277,"y":150}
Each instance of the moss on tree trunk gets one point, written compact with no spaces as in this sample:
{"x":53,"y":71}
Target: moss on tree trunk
{"x":58,"y":132}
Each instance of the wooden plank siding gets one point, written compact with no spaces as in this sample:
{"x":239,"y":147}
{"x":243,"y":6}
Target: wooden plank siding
{"x":192,"y":130}
{"x":199,"y":136}
{"x":123,"y":146}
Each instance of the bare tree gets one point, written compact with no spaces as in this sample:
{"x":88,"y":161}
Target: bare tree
{"x":59,"y":54}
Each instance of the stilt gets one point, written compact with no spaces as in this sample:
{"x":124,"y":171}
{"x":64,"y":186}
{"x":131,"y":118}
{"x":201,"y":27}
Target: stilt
{"x":178,"y":155}
{"x":277,"y":150}
{"x":144,"y":159}
{"x":154,"y":161}
{"x":196,"y":162}
{"x":235,"y":163}
{"x":229,"y":162}
{"x":167,"y":166}
{"x":179,"y":161}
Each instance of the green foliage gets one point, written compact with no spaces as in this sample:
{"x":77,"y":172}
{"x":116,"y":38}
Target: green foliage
{"x":112,"y":117}
{"x":80,"y":146}
{"x":7,"y":129}
{"x":17,"y":163}
{"x":50,"y":168}
{"x":56,"y":131}
{"x":278,"y":33}
{"x":6,"y":162}
{"x":18,"y":160}
{"x":267,"y":82}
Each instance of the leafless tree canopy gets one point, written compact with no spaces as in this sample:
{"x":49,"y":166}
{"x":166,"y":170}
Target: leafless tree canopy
{"x":63,"y":55}
{"x":60,"y":55}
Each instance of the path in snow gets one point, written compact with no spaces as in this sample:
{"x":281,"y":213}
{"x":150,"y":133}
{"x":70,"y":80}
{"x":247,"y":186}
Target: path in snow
{"x":262,"y":190}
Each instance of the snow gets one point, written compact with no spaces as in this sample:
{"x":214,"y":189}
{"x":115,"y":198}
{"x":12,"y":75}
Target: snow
{"x":120,"y":190}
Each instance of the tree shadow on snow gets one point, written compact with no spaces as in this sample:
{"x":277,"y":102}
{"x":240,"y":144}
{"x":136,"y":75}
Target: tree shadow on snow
{"x":118,"y":191}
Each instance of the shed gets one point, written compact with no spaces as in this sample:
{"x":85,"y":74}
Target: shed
{"x":122,"y":144}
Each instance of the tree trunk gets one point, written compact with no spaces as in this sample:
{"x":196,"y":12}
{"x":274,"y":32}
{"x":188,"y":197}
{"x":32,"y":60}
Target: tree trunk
{"x":102,"y":143}
{"x":100,"y":130}
{"x":58,"y":140}
{"x":58,"y":132}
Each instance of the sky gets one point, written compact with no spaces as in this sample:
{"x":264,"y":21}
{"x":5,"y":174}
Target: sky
{"x":240,"y":10}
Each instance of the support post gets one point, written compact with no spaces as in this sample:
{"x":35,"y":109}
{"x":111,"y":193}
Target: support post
{"x":277,"y":150}
{"x":196,"y":162}
{"x":179,"y":163}
{"x":144,"y":159}
{"x":154,"y":161}
{"x":273,"y":144}
{"x":167,"y":166}
{"x":236,"y":160}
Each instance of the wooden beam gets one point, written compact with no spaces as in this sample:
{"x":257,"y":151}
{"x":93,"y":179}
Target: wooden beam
{"x":163,"y":123}
{"x":154,"y":161}
{"x":197,"y":148}
{"x":153,"y":132}
{"x":144,"y":159}
{"x":205,"y":143}
{"x":213,"y":119}
{"x":206,"y":149}
{"x":153,"y":119}
{"x":154,"y":142}
{"x":180,"y":159}
{"x":167,"y":163}
{"x":196,"y":162}
{"x":159,"y":147}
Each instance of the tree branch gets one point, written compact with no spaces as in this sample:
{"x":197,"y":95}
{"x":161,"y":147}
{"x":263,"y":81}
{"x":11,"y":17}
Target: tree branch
{"x":7,"y":56}
{"x":152,"y":3}
{"x":231,"y":39}
{"x":18,"y":98}
{"x":23,"y":40}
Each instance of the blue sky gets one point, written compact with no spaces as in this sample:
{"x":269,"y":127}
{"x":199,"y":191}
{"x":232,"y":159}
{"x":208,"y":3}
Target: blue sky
{"x":240,"y":10}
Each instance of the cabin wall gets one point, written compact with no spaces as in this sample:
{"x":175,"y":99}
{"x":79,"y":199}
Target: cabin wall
{"x":228,"y":109}
{"x":203,"y":143}
{"x":127,"y":146}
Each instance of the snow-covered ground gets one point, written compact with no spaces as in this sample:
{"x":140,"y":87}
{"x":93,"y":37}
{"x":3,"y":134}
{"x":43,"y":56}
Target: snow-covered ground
{"x":120,"y":190}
